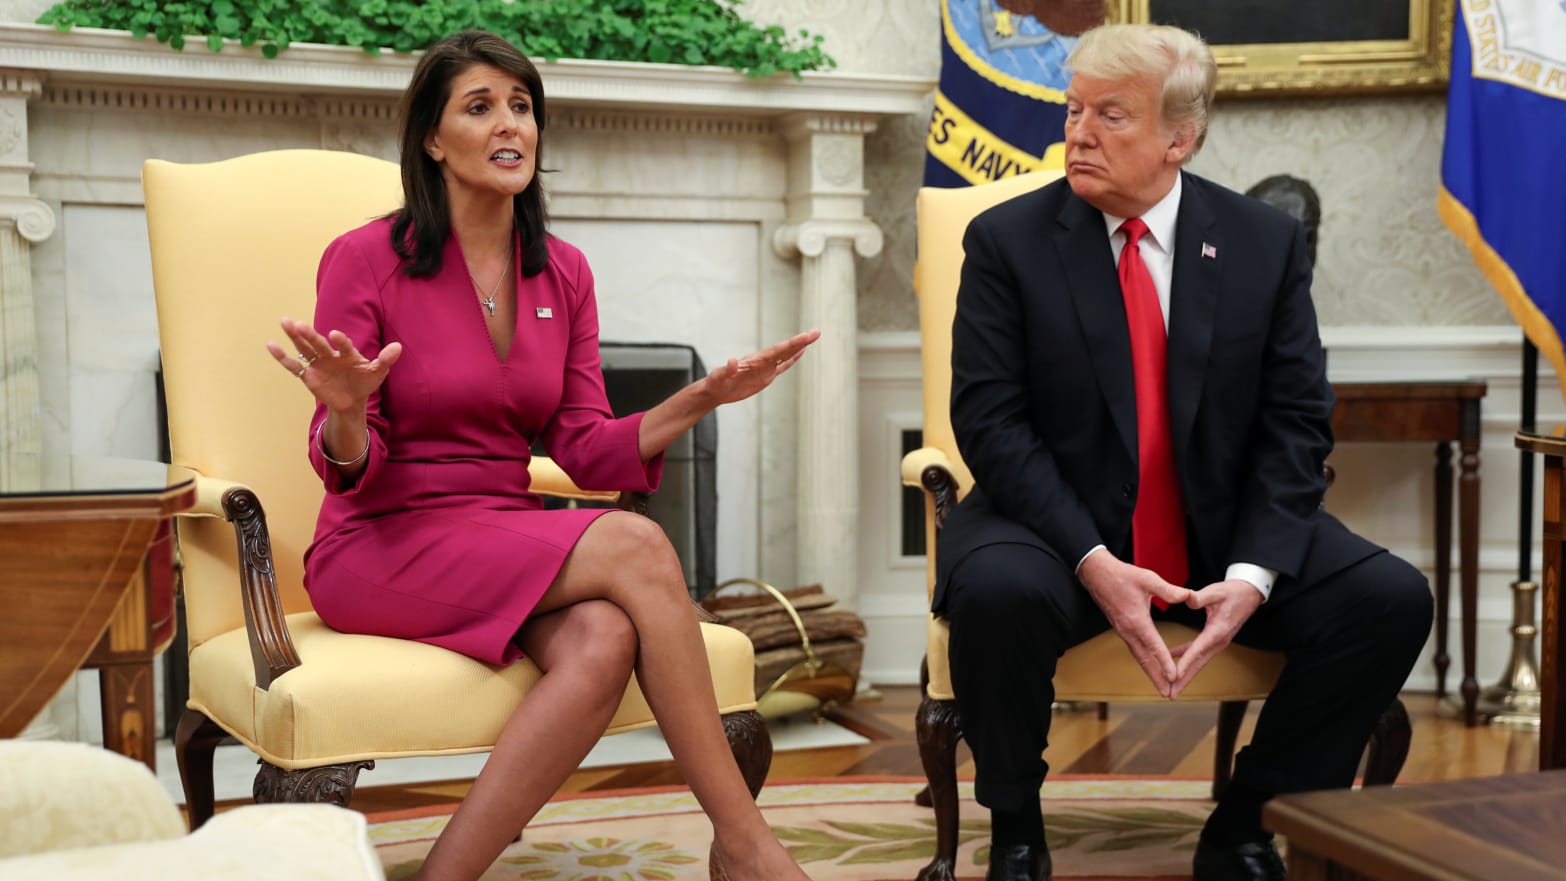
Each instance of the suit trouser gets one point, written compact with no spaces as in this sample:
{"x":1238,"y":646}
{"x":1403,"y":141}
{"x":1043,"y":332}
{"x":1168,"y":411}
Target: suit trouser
{"x":1350,"y":641}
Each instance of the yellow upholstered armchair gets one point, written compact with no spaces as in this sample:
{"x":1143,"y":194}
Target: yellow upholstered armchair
{"x":1100,"y":670}
{"x":234,"y":247}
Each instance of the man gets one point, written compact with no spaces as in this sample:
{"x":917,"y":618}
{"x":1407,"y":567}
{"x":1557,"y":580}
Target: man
{"x":1116,"y":467}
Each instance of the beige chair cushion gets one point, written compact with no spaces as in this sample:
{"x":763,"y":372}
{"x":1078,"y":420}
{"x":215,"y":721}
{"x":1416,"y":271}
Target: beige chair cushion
{"x":1101,"y":669}
{"x":367,"y":697}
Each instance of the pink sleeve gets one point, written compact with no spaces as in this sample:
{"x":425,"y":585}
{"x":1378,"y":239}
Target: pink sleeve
{"x":348,"y":299}
{"x":597,"y":450}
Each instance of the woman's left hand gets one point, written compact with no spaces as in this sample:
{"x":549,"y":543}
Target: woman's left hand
{"x":742,"y":377}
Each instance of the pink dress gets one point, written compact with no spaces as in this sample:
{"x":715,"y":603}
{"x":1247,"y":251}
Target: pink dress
{"x":441,"y":539}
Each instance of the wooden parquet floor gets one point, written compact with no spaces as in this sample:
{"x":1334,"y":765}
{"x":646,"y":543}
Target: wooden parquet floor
{"x":1145,"y":740}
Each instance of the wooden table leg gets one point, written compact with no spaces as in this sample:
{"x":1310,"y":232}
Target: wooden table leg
{"x":1443,"y":560}
{"x":1468,"y":555}
{"x":126,"y":694}
{"x":123,"y":658}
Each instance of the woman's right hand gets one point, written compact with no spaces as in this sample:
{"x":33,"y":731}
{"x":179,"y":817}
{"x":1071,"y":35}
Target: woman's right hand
{"x":331,"y":367}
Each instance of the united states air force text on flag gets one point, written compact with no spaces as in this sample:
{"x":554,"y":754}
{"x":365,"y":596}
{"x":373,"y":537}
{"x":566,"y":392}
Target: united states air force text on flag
{"x":1503,"y":169}
{"x":1000,"y":109}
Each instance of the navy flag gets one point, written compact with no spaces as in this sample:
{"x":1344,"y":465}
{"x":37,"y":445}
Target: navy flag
{"x":1503,"y":166}
{"x":1000,"y":109}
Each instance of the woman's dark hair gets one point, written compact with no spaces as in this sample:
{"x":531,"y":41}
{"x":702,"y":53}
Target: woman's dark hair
{"x":420,"y":228}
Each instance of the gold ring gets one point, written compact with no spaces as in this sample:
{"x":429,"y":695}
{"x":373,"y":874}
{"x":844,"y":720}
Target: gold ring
{"x":307,"y":360}
{"x":300,"y":374}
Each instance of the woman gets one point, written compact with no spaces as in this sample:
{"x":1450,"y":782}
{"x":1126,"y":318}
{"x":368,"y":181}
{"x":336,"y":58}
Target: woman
{"x":448,"y":337}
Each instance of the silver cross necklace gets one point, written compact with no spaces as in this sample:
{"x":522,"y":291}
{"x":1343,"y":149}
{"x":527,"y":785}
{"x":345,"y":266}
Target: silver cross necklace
{"x":489,"y":301}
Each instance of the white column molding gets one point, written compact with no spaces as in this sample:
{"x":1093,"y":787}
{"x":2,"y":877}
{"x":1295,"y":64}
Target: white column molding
{"x":33,"y":219}
{"x":826,"y":165}
{"x":24,"y":221}
{"x":810,"y":239}
{"x":17,"y":87}
{"x":826,"y":228}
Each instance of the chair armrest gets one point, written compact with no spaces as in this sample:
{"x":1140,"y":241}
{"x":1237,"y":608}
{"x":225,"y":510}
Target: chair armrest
{"x":930,"y":469}
{"x":271,"y":645}
{"x":915,"y":462}
{"x":209,"y":497}
{"x":549,"y":479}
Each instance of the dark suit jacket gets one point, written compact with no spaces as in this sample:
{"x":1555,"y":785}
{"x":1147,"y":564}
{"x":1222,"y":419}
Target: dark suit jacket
{"x":1044,"y":403}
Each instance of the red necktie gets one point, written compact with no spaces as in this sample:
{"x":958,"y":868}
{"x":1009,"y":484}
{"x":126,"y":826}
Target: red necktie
{"x":1158,"y":523}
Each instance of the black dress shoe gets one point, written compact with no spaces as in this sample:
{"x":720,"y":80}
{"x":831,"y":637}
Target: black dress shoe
{"x":1020,"y":862}
{"x":1251,"y":861}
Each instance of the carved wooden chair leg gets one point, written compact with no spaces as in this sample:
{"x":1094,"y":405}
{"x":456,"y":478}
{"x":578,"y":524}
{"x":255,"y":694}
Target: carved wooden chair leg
{"x":1388,"y":747}
{"x":194,"y":743}
{"x":937,"y":728}
{"x":1230,"y":715}
{"x":752,"y":747}
{"x":922,"y":797}
{"x":328,"y":784}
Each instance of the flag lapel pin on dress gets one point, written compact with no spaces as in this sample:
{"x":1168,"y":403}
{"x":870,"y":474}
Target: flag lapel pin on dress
{"x":544,"y":312}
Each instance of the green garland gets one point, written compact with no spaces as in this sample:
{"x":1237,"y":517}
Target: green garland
{"x":662,"y":31}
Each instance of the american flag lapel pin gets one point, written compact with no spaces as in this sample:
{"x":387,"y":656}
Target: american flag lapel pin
{"x":544,"y":312}
{"x":1209,"y":251}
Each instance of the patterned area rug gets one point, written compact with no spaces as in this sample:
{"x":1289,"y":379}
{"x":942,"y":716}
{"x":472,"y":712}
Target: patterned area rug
{"x":841,"y":829}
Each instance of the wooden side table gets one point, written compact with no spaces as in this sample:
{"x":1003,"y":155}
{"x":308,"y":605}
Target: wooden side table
{"x":1443,"y":413}
{"x":1484,"y":829}
{"x":73,"y":579}
{"x":1552,"y":651}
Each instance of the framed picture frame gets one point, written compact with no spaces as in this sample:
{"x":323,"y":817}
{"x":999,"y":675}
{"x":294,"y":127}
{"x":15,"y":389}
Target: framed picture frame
{"x":1277,"y":47}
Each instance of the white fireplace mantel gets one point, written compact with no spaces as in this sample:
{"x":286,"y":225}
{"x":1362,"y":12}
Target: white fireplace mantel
{"x":94,"y":55}
{"x":739,"y":200}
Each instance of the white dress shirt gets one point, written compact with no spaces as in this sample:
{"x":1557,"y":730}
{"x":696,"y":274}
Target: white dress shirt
{"x":1157,"y":250}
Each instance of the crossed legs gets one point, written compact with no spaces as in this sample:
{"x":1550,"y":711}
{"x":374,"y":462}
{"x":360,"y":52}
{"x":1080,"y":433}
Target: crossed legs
{"x":619,"y":603}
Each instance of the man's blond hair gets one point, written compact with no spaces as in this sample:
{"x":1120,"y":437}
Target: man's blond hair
{"x":1177,"y":58}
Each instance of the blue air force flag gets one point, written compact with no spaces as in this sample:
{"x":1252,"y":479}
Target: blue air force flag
{"x":1000,"y":109}
{"x":1503,"y":168}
